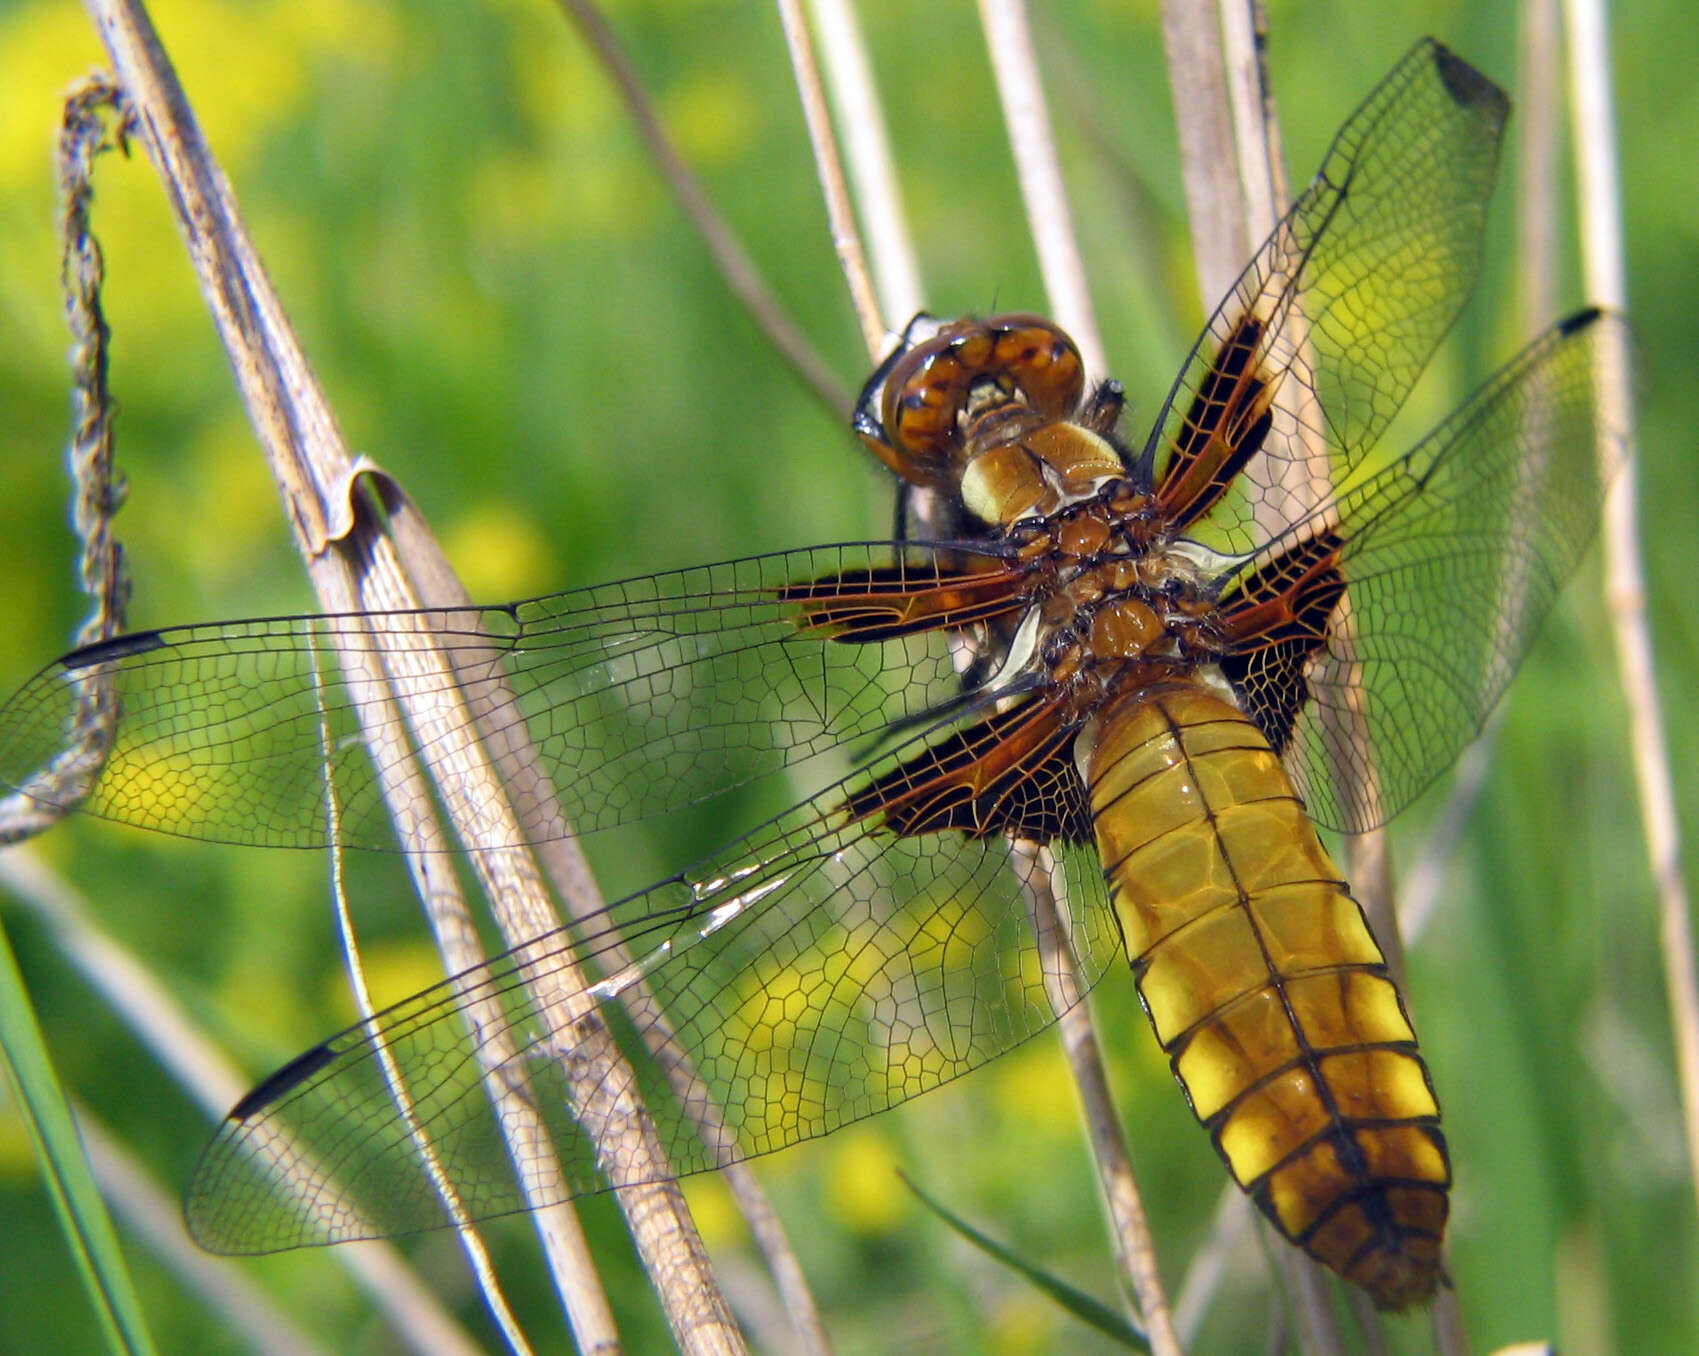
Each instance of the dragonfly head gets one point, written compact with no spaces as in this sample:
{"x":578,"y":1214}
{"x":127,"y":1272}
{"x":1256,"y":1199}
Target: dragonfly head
{"x":989,"y":408}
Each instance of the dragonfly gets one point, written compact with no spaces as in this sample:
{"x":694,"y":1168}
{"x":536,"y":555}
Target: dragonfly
{"x":1134,"y":674}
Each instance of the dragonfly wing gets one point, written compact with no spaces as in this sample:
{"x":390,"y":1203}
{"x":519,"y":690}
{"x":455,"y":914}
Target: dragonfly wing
{"x":634,"y":698}
{"x":819,"y":970}
{"x":1316,"y":346}
{"x":1450,"y":557}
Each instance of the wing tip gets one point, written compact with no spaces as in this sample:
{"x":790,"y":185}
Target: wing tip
{"x":291,"y":1075}
{"x":1574,"y":324}
{"x":107,"y":651}
{"x":1466,"y":85}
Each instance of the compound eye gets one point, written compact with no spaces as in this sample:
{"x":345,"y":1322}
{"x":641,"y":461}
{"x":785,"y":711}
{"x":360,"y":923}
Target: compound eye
{"x":928,"y":389}
{"x":1041,"y":361}
{"x":926,"y":393}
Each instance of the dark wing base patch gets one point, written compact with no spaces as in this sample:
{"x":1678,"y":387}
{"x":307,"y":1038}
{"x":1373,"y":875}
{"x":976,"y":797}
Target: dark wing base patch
{"x":1277,"y":617}
{"x":859,"y":606}
{"x":1012,"y":772}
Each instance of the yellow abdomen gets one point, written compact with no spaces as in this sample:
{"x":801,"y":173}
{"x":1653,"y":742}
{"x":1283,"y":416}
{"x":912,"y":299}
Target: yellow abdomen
{"x":1267,"y":990}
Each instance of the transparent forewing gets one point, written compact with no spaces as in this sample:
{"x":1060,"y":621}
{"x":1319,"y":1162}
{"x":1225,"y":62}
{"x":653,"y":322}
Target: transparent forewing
{"x":1452,"y":556}
{"x":819,"y":970}
{"x":1340,"y":310}
{"x":633,"y":697}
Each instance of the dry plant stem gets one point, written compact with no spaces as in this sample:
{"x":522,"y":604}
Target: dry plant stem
{"x":1594,"y":133}
{"x":1256,"y":130}
{"x":471,"y":777}
{"x":1228,"y":1231}
{"x":360,"y":574}
{"x":1539,"y":96}
{"x":1135,"y":1249}
{"x":100,"y":493}
{"x":1537,"y":210}
{"x":1020,"y":91}
{"x":1131,"y":1230}
{"x":295,"y":425}
{"x":1232,"y":167}
{"x":1258,"y":170}
{"x":471,"y":1242}
{"x":130,"y":989}
{"x":1134,"y":1245}
{"x":757,"y":1303}
{"x":867,"y":149}
{"x":569,"y":871}
{"x":97,"y":490}
{"x":1450,"y":1337}
{"x":774,"y":1244}
{"x":405,"y":787}
{"x":1197,"y":81}
{"x":1306,"y":1287}
{"x":733,"y":261}
{"x":834,"y":191}
{"x":1368,"y":1322}
{"x":1008,"y":36}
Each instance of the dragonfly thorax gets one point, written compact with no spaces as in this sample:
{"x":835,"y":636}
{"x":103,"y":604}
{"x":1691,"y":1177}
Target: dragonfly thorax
{"x":1111,"y":603}
{"x":1022,"y":466}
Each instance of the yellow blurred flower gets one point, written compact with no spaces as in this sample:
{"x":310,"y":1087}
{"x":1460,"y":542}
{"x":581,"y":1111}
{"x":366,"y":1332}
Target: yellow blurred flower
{"x":500,"y":552}
{"x":713,"y":1209}
{"x":1023,"y":1322}
{"x":394,"y":969}
{"x":1034,"y":1089}
{"x":712,"y":118}
{"x":863,"y":1192}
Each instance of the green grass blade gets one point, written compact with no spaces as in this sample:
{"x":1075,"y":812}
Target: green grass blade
{"x":1081,"y":1305}
{"x":64,"y":1165}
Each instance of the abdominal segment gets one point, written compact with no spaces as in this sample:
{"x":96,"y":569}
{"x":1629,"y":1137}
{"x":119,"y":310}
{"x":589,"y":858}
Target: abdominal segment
{"x":1267,"y":990}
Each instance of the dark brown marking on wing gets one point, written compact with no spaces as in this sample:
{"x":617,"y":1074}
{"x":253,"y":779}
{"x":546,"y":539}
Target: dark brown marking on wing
{"x":1277,"y":617}
{"x":290,"y":1076}
{"x":1225,"y":426}
{"x":879,"y":604}
{"x":1012,"y":771}
{"x":109,"y":651}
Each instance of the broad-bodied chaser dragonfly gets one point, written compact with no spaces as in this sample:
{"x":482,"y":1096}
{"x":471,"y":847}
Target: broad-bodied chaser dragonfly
{"x":1139,"y":670}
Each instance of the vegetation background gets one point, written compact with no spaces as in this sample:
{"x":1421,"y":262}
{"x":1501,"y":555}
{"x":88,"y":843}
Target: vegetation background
{"x":510,"y":314}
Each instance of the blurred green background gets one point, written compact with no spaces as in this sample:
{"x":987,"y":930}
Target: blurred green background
{"x":509,"y":314}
